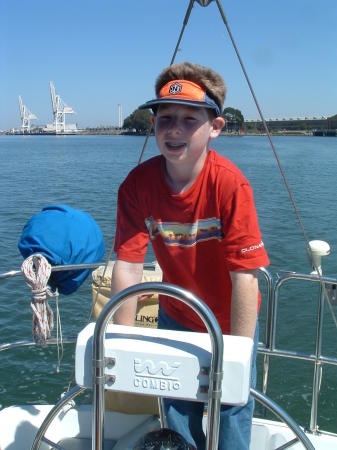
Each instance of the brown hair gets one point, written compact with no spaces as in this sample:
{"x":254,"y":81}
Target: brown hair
{"x":205,"y":77}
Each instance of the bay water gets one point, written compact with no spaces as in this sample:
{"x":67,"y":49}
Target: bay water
{"x":84,"y":172}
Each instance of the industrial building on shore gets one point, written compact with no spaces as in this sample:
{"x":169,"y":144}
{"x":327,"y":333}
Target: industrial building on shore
{"x":317,"y":126}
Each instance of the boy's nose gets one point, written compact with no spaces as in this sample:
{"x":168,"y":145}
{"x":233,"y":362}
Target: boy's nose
{"x":175,"y":126}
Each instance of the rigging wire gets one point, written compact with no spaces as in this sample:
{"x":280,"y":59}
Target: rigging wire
{"x":291,"y":197}
{"x":225,"y":21}
{"x":108,"y":258}
{"x":185,"y":22}
{"x":205,"y":3}
{"x":292,"y":200}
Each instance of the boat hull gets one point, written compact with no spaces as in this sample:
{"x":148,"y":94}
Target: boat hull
{"x":72,"y":429}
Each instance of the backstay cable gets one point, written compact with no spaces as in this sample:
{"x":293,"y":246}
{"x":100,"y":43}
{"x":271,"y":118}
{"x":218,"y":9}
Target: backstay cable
{"x":264,"y":122}
{"x":292,"y":200}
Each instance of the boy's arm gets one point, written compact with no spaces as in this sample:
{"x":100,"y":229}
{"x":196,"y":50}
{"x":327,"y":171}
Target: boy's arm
{"x":126,"y":274}
{"x":244,"y":302}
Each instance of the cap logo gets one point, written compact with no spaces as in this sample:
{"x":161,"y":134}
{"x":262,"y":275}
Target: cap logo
{"x":175,"y":88}
{"x":183,"y":92}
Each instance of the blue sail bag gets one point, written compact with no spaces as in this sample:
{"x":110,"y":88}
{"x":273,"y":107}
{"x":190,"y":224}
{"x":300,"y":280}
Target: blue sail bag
{"x":64,"y":236}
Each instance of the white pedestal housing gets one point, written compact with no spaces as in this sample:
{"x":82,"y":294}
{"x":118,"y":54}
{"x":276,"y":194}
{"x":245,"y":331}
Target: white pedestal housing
{"x":165,"y":363}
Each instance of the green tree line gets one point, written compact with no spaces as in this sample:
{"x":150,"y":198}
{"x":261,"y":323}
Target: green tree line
{"x":140,"y":120}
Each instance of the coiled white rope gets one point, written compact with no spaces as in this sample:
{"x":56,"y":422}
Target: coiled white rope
{"x":36,"y":270}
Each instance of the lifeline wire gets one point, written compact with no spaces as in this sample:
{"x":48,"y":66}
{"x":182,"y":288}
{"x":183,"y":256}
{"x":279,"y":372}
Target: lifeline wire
{"x":93,"y":304}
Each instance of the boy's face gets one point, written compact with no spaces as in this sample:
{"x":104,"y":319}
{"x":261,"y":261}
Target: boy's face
{"x":183,"y":132}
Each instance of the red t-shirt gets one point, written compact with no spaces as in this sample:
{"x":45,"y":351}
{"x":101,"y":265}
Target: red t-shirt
{"x":198,"y":237}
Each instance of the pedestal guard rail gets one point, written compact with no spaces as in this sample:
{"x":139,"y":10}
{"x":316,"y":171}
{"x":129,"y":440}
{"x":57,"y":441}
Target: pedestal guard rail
{"x":213,"y":328}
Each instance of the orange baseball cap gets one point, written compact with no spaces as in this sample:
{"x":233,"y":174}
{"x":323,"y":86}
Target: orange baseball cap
{"x":183,"y":92}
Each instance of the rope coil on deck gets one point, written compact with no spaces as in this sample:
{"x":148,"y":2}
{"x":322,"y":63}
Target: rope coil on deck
{"x":36,"y":270}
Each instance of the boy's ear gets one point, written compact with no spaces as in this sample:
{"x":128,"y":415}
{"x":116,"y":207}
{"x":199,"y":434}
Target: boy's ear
{"x":153,"y":120}
{"x":217,"y":125}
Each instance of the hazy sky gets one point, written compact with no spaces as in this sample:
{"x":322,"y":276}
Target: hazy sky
{"x":105,"y":52}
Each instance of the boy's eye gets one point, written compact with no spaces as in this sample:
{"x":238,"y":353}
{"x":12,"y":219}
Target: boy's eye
{"x":164,"y":118}
{"x":167,"y":119}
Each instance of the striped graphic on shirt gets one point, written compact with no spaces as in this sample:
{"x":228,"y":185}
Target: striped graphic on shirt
{"x":184,"y":234}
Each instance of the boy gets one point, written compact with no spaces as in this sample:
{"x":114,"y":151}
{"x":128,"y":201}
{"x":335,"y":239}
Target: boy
{"x":198,"y":210}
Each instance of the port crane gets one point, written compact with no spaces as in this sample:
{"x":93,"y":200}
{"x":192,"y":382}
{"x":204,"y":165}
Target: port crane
{"x":26,"y":116}
{"x":60,"y":109}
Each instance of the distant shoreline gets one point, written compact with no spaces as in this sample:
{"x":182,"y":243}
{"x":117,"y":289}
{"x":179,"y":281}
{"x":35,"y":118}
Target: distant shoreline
{"x":112,"y":132}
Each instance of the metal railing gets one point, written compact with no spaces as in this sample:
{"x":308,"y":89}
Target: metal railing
{"x":50,"y":342}
{"x":214,"y":393}
{"x":318,"y":359}
{"x":268,"y":349}
{"x":16,"y":273}
{"x":215,"y":377}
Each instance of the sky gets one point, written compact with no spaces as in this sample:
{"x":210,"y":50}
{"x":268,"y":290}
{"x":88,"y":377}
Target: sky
{"x":107,"y":52}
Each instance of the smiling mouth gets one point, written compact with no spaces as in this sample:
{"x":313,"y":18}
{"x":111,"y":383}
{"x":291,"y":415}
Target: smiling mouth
{"x":175,"y":145}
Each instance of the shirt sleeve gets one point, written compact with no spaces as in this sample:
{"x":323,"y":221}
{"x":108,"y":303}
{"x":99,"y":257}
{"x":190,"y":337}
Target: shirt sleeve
{"x":243,"y":245}
{"x":131,"y":233}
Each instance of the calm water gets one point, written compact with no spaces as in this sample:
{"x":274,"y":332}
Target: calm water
{"x":85,"y":172}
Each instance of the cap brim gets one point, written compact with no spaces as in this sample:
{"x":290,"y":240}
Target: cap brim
{"x":180,"y":101}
